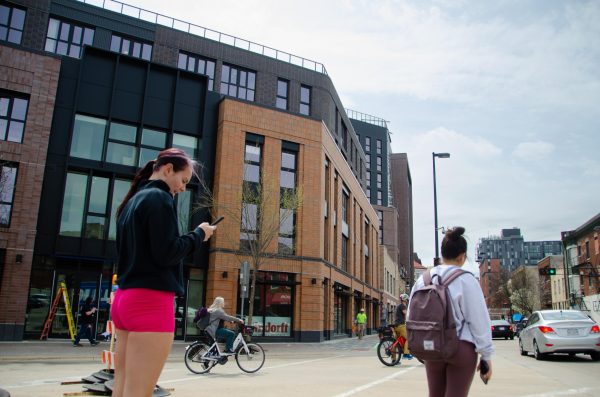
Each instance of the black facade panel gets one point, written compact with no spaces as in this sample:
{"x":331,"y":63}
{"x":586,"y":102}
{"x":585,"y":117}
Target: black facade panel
{"x":159,"y":94}
{"x":128,"y":100}
{"x":189,"y":104}
{"x":96,"y":83}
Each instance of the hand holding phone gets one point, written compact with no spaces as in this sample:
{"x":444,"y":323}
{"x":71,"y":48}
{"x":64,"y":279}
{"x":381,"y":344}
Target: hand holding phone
{"x":484,"y":368}
{"x":219,"y":219}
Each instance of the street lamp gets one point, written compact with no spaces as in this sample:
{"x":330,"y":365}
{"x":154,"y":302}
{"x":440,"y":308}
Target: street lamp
{"x":436,"y":260}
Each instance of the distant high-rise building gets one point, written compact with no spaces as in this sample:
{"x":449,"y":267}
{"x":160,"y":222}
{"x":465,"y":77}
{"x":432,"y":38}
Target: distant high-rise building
{"x":512,"y":249}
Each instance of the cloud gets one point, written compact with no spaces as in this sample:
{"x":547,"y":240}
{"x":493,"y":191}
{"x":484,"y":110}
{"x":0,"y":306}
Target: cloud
{"x":533,"y":150}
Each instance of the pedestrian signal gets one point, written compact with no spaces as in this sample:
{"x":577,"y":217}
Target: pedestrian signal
{"x":551,"y":271}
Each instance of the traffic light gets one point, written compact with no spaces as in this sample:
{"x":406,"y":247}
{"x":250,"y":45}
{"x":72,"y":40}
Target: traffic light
{"x":547,"y":271}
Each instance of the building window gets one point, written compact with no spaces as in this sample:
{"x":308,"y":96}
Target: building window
{"x":305,"y":98}
{"x":379,"y":146}
{"x":126,"y":144}
{"x":13,"y":112}
{"x":378,"y":163}
{"x":8,"y":180}
{"x":367,"y":144}
{"x":238,"y":82}
{"x":198,"y":64}
{"x":344,"y":253}
{"x":65,"y":38}
{"x":378,"y":181}
{"x":368,"y":179}
{"x":12,"y":21}
{"x":130,"y":47}
{"x":368,"y":162}
{"x":380,"y":216}
{"x":249,"y":223}
{"x":282,"y":94}
{"x":287,"y":216}
{"x":344,"y":136}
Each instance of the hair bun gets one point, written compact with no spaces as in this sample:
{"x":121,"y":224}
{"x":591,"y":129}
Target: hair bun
{"x":455,"y":232}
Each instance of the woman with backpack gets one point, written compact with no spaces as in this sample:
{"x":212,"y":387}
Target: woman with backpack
{"x":452,"y":375}
{"x":215,"y":327}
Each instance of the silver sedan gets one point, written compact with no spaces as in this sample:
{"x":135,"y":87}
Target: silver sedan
{"x":560,"y":331}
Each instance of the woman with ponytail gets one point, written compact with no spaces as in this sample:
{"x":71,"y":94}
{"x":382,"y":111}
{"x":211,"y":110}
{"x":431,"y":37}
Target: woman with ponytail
{"x":453,"y":377}
{"x":150,"y":270}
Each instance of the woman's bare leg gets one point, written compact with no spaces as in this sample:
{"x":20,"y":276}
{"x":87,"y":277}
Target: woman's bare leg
{"x":146,"y":355}
{"x":120,"y":359}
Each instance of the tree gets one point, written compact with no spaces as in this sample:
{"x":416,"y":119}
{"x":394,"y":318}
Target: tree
{"x":500,"y":286}
{"x":524,"y":290}
{"x":266,"y":211}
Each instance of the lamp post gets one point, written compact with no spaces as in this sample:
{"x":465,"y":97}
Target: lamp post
{"x":436,"y":260}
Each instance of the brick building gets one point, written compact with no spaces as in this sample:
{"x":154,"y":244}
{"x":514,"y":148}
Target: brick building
{"x":98,"y":93}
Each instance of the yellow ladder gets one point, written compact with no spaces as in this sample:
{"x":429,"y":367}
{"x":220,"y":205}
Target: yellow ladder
{"x":68,"y":309}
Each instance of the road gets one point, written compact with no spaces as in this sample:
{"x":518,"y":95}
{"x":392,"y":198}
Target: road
{"x":333,"y":369}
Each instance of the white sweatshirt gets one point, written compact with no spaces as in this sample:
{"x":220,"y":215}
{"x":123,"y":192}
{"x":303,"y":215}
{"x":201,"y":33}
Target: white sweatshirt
{"x":470,"y":310}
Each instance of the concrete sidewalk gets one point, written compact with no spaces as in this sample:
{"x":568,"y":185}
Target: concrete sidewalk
{"x":62,"y":349}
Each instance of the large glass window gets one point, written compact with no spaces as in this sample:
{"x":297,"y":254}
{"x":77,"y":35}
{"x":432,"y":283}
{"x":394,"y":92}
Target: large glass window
{"x":287,"y":216}
{"x":65,"y":38}
{"x":378,"y":146}
{"x":367,"y":144}
{"x":90,"y":214}
{"x":282,"y":94}
{"x":96,"y":219}
{"x":73,"y":205}
{"x":252,"y":163}
{"x":88,"y":137}
{"x":273,"y":304}
{"x":188,"y":144}
{"x":198,"y":64}
{"x":131,"y":47}
{"x":238,"y":82}
{"x":249,"y":232}
{"x":8,"y":180}
{"x":12,"y":21}
{"x":305,"y":98}
{"x":13,"y":112}
{"x":124,"y":144}
{"x":120,"y":189}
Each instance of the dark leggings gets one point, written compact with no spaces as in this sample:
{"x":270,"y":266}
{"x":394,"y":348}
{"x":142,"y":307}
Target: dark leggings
{"x":453,"y":377}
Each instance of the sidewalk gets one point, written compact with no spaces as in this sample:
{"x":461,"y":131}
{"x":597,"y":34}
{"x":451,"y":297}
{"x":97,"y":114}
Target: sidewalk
{"x":62,"y":349}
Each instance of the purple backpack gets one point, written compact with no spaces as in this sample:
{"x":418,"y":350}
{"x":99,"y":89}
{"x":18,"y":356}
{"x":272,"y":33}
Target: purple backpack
{"x":430,"y":325}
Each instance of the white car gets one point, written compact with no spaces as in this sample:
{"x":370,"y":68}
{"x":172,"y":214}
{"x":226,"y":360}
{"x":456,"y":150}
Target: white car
{"x":560,"y":331}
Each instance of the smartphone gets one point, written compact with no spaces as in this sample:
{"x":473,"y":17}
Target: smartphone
{"x":483,"y":370}
{"x":219,"y":219}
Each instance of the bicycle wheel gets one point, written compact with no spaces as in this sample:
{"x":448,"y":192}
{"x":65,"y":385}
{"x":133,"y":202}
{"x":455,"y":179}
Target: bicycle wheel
{"x":389,"y":354}
{"x":194,"y":361}
{"x":250,"y":362}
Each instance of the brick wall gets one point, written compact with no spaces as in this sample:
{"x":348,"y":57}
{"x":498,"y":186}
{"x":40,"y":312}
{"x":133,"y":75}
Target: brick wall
{"x":37,"y":76}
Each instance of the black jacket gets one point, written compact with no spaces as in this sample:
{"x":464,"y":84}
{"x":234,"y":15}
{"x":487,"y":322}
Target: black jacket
{"x":150,"y":249}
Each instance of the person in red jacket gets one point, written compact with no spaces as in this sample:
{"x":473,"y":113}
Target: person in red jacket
{"x":150,"y":268}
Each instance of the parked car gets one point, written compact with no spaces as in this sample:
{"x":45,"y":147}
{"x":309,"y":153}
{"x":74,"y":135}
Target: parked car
{"x":560,"y":331}
{"x":502,"y":329}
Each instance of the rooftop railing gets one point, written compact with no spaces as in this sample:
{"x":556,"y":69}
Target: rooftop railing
{"x":173,"y":23}
{"x":367,"y":118}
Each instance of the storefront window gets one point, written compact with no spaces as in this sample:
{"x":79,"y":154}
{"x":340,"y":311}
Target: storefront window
{"x":273,"y":306}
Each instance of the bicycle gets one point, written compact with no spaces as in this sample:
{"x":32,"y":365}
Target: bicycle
{"x":389,"y":350}
{"x":201,"y":357}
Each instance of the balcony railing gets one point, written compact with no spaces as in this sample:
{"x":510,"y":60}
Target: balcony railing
{"x":173,"y":23}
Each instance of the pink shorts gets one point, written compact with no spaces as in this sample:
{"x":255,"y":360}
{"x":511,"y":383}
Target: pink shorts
{"x":143,"y":310}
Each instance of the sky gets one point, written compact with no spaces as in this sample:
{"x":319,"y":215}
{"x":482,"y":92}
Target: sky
{"x":511,"y":89}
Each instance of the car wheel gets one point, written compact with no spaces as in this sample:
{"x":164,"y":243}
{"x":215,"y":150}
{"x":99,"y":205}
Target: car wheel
{"x":506,"y":338}
{"x":595,"y":356}
{"x":523,"y":351}
{"x":536,"y":352}
{"x":512,"y":337}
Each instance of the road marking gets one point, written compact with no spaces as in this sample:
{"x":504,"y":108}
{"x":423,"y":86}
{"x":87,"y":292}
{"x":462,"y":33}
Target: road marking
{"x":374,"y":383}
{"x":567,"y":392}
{"x":191,"y":377}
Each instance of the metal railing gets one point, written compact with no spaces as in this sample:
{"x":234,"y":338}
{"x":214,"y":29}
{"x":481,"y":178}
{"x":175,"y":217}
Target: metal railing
{"x":367,"y":118}
{"x":173,"y":23}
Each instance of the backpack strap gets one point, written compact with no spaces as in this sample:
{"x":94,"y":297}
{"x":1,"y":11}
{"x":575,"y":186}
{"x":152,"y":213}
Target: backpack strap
{"x":455,"y":274}
{"x":427,"y":277}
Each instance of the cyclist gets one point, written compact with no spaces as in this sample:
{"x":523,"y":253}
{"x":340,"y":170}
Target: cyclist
{"x":400,"y":325}
{"x":215,"y":327}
